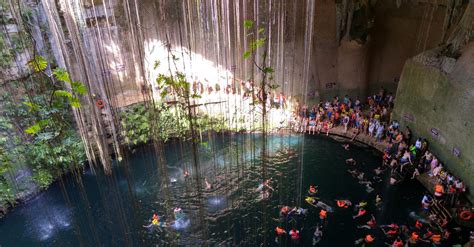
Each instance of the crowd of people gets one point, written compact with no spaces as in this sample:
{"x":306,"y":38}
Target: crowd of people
{"x":403,"y":157}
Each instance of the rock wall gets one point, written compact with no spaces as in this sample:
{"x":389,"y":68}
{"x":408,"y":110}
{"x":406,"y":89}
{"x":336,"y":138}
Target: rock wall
{"x":400,"y":33}
{"x":309,"y":60}
{"x":436,"y":102}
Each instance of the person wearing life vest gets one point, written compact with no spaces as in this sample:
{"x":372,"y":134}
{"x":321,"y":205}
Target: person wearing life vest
{"x":397,"y":243}
{"x":446,"y":234}
{"x":310,"y":200}
{"x":439,"y":191}
{"x":418,"y":225}
{"x":436,"y":238}
{"x":392,"y":232}
{"x":312,"y":190}
{"x":317,"y":235}
{"x":371,"y":224}
{"x":414,"y":237}
{"x":343,"y":203}
{"x":155,"y":221}
{"x":369,"y":239}
{"x":323,"y":214}
{"x":279,"y":231}
{"x":294,"y":234}
{"x":284,"y":211}
{"x":361,"y":212}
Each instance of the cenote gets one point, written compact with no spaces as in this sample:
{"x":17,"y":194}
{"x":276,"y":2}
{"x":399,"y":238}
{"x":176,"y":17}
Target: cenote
{"x":111,"y":211}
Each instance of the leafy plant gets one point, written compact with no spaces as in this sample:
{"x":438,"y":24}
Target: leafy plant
{"x":43,"y":178}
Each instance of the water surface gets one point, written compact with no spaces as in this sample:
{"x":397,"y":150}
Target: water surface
{"x":111,"y":211}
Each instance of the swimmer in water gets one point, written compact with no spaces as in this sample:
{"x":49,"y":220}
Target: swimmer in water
{"x":207,"y":184}
{"x":178,"y":213}
{"x":186,"y":174}
{"x":265,"y":184}
{"x":371,"y":224}
{"x":343,"y":203}
{"x":284,"y":211}
{"x":295,"y":235}
{"x":279,"y":231}
{"x":313,"y":189}
{"x":317,"y":235}
{"x":351,"y":162}
{"x":361,"y":213}
{"x":155,"y":222}
{"x":378,"y":200}
{"x":346,"y":146}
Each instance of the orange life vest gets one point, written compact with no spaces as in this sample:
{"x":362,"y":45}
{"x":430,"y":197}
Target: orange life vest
{"x":418,"y":224}
{"x":439,"y":190}
{"x":341,"y":203}
{"x":369,"y":239}
{"x":279,"y":231}
{"x":414,"y":236}
{"x":398,"y":243}
{"x":436,"y":238}
{"x":323,"y":214}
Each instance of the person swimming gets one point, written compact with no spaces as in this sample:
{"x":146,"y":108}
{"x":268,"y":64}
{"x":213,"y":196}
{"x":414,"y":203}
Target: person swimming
{"x":280,"y":232}
{"x":298,"y":211}
{"x":351,"y":162}
{"x":294,"y":235}
{"x":371,"y":224}
{"x":343,"y":203}
{"x":313,"y":189}
{"x":361,"y":213}
{"x":284,"y":211}
{"x":346,"y":146}
{"x":378,"y":200}
{"x":317,"y":235}
{"x":361,"y":204}
{"x":265,"y":184}
{"x":311,"y":200}
{"x":323,"y":214}
{"x":155,"y":222}
{"x":178,"y":213}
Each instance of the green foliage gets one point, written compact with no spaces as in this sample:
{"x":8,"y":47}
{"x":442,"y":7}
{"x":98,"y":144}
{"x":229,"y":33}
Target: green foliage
{"x":62,"y":75}
{"x":6,"y":193}
{"x":43,"y":178}
{"x":38,"y":63}
{"x":6,"y":165}
{"x":248,"y":24}
{"x":6,"y":56}
{"x":79,"y":88}
{"x":137,"y":123}
{"x":36,"y":127}
{"x":170,"y":121}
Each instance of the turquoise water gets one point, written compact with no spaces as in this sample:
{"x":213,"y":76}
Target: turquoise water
{"x":111,"y":211}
